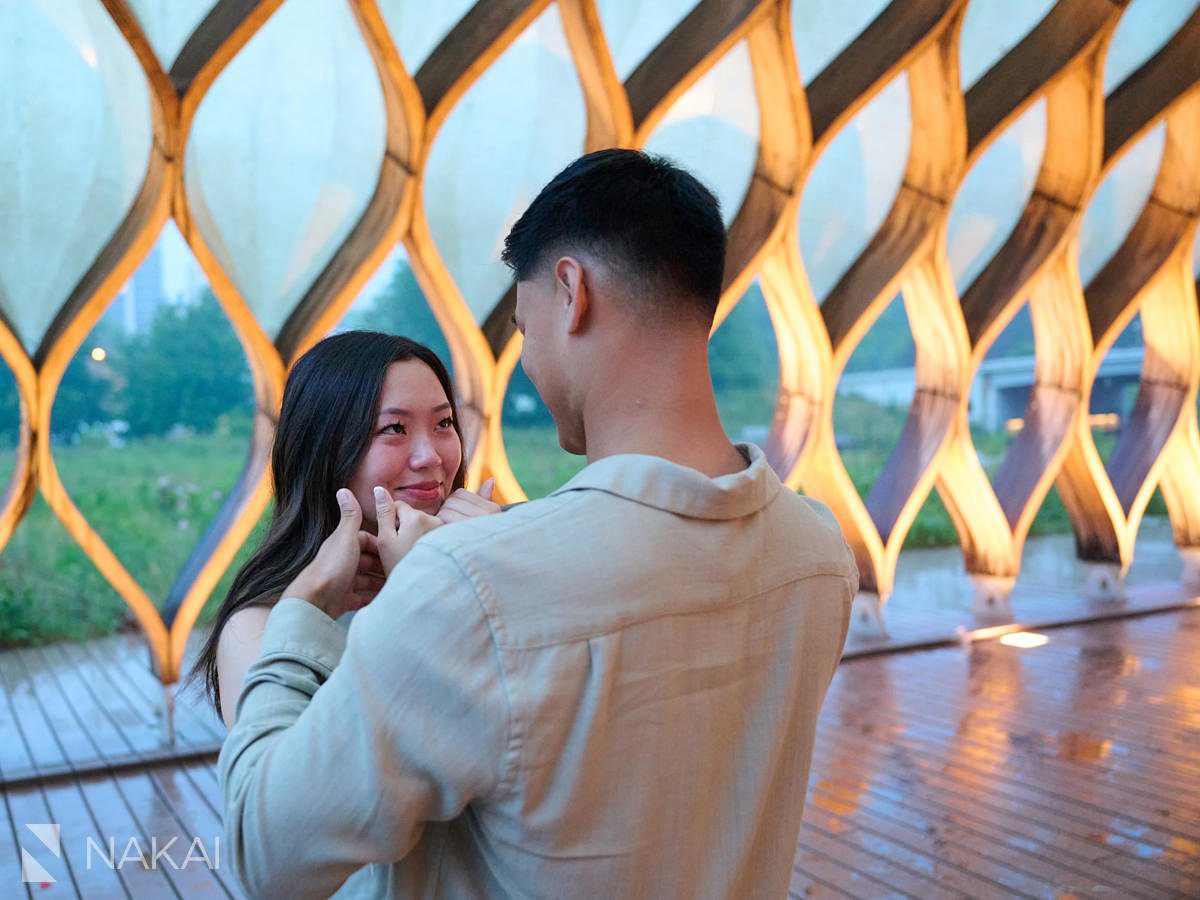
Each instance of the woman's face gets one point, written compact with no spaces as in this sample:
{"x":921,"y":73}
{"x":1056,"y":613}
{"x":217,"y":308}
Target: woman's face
{"x":414,"y":451}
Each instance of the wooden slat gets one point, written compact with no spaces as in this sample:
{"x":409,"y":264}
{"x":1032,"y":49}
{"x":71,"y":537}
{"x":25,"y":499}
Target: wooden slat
{"x":70,"y":810}
{"x":28,"y":806}
{"x":133,"y":722}
{"x":125,"y":663}
{"x":162,"y":821}
{"x":41,"y":743}
{"x":195,"y":815}
{"x":10,"y":854}
{"x":115,"y":818}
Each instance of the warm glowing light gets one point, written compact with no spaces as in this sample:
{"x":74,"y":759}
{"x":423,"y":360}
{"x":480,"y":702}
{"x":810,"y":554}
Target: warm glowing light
{"x":1024,"y":639}
{"x":1099,"y":421}
{"x":88,"y":52}
{"x":99,"y":354}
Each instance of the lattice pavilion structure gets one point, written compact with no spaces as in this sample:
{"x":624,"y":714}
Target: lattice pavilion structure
{"x":175,"y":57}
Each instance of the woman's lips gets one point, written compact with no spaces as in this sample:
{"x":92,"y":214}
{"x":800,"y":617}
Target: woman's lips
{"x":425,"y":492}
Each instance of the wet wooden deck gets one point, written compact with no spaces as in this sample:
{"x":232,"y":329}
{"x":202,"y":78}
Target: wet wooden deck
{"x":1071,"y":769}
{"x":78,"y":708}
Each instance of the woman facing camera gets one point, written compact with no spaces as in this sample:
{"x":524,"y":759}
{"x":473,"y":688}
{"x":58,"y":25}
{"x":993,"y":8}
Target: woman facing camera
{"x":360,"y":409}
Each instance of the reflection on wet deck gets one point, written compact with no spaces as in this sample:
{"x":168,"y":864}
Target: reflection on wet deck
{"x":1068,"y":769}
{"x":932,"y":600}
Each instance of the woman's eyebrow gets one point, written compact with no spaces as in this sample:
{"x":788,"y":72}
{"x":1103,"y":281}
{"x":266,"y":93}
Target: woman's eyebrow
{"x":397,"y":411}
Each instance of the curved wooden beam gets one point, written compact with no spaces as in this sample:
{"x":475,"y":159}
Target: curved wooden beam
{"x":906,"y":255}
{"x":861,"y":70}
{"x":369,"y":242}
{"x":131,"y":241}
{"x":609,"y":118}
{"x":464,"y":54}
{"x":474,"y":365}
{"x":1146,"y":96}
{"x":691,"y":48}
{"x":22,"y":483}
{"x":784,"y":141}
{"x":806,"y":382}
{"x":1058,"y":400}
{"x":922,"y":203}
{"x":1180,"y":481}
{"x":472,"y":45}
{"x":226,"y":28}
{"x":1037,"y":262}
{"x":173,"y":117}
{"x":493,"y":460}
{"x":386,"y":216}
{"x":1072,"y":31}
{"x":1150,"y":273}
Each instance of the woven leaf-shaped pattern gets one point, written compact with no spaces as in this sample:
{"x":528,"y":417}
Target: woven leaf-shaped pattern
{"x":1063,"y":77}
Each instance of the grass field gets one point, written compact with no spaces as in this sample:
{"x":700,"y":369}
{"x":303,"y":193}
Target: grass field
{"x":151,"y":501}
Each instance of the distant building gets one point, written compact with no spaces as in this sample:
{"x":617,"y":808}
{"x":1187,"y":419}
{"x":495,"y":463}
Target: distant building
{"x":169,"y":274}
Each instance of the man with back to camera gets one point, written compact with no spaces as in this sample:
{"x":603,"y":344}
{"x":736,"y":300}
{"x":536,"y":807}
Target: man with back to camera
{"x":609,"y":692}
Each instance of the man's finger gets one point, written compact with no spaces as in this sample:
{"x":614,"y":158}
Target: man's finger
{"x":363,"y":584}
{"x":351,"y":511}
{"x":487,"y":489}
{"x":451,"y":513}
{"x":464,"y":504}
{"x":385,"y":511}
{"x":470,"y":498}
{"x":367,"y":543}
{"x":369,"y":564}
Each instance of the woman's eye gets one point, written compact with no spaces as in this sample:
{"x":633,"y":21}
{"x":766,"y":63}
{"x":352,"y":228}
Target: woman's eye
{"x":447,"y":422}
{"x":394,"y":428}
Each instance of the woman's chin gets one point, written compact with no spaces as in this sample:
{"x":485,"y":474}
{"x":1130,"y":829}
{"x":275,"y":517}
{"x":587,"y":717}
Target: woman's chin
{"x":429,"y":507}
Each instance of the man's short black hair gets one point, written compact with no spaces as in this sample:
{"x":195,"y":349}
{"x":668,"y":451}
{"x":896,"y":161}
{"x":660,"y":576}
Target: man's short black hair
{"x":654,"y":223}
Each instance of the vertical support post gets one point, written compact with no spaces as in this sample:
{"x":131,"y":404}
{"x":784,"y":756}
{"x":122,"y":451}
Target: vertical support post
{"x":867,"y":613}
{"x":168,"y":720}
{"x":991,"y":597}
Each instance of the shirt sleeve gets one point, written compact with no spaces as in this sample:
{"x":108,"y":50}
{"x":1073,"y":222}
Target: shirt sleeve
{"x":337,"y":759}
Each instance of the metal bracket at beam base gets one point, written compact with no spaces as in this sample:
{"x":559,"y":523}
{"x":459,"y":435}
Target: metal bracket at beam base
{"x":990,"y":599}
{"x":1105,"y":581}
{"x":866,"y":615}
{"x":1191,"y":567}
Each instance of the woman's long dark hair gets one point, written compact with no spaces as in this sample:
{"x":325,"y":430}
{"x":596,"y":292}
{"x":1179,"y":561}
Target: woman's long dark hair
{"x":326,"y":421}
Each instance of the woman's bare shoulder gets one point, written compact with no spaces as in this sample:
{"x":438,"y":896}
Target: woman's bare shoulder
{"x":244,"y":626}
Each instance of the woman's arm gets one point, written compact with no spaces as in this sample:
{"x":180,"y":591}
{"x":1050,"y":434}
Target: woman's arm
{"x":238,"y":648}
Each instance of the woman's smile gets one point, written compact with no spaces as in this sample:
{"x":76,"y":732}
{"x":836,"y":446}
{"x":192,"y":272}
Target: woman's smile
{"x":420,"y":493}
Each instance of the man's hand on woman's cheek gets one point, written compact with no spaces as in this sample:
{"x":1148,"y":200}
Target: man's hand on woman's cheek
{"x":341,"y":577}
{"x":400,"y":526}
{"x":464,"y":504}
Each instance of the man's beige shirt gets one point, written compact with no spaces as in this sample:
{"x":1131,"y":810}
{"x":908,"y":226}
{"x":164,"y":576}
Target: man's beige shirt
{"x":611,"y":692}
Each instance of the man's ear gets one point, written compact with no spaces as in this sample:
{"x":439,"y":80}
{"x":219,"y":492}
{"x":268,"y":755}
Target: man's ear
{"x":571,"y":289}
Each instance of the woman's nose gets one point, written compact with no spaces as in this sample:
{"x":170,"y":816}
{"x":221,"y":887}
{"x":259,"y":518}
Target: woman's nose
{"x":424,"y":454}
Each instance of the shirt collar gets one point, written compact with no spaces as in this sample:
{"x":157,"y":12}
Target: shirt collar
{"x":654,"y":481}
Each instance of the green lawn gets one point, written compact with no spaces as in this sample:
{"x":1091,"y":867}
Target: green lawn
{"x":152,"y":499}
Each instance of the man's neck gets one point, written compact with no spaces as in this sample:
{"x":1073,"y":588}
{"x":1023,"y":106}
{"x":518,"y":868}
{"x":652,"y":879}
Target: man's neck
{"x":669,"y":413}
